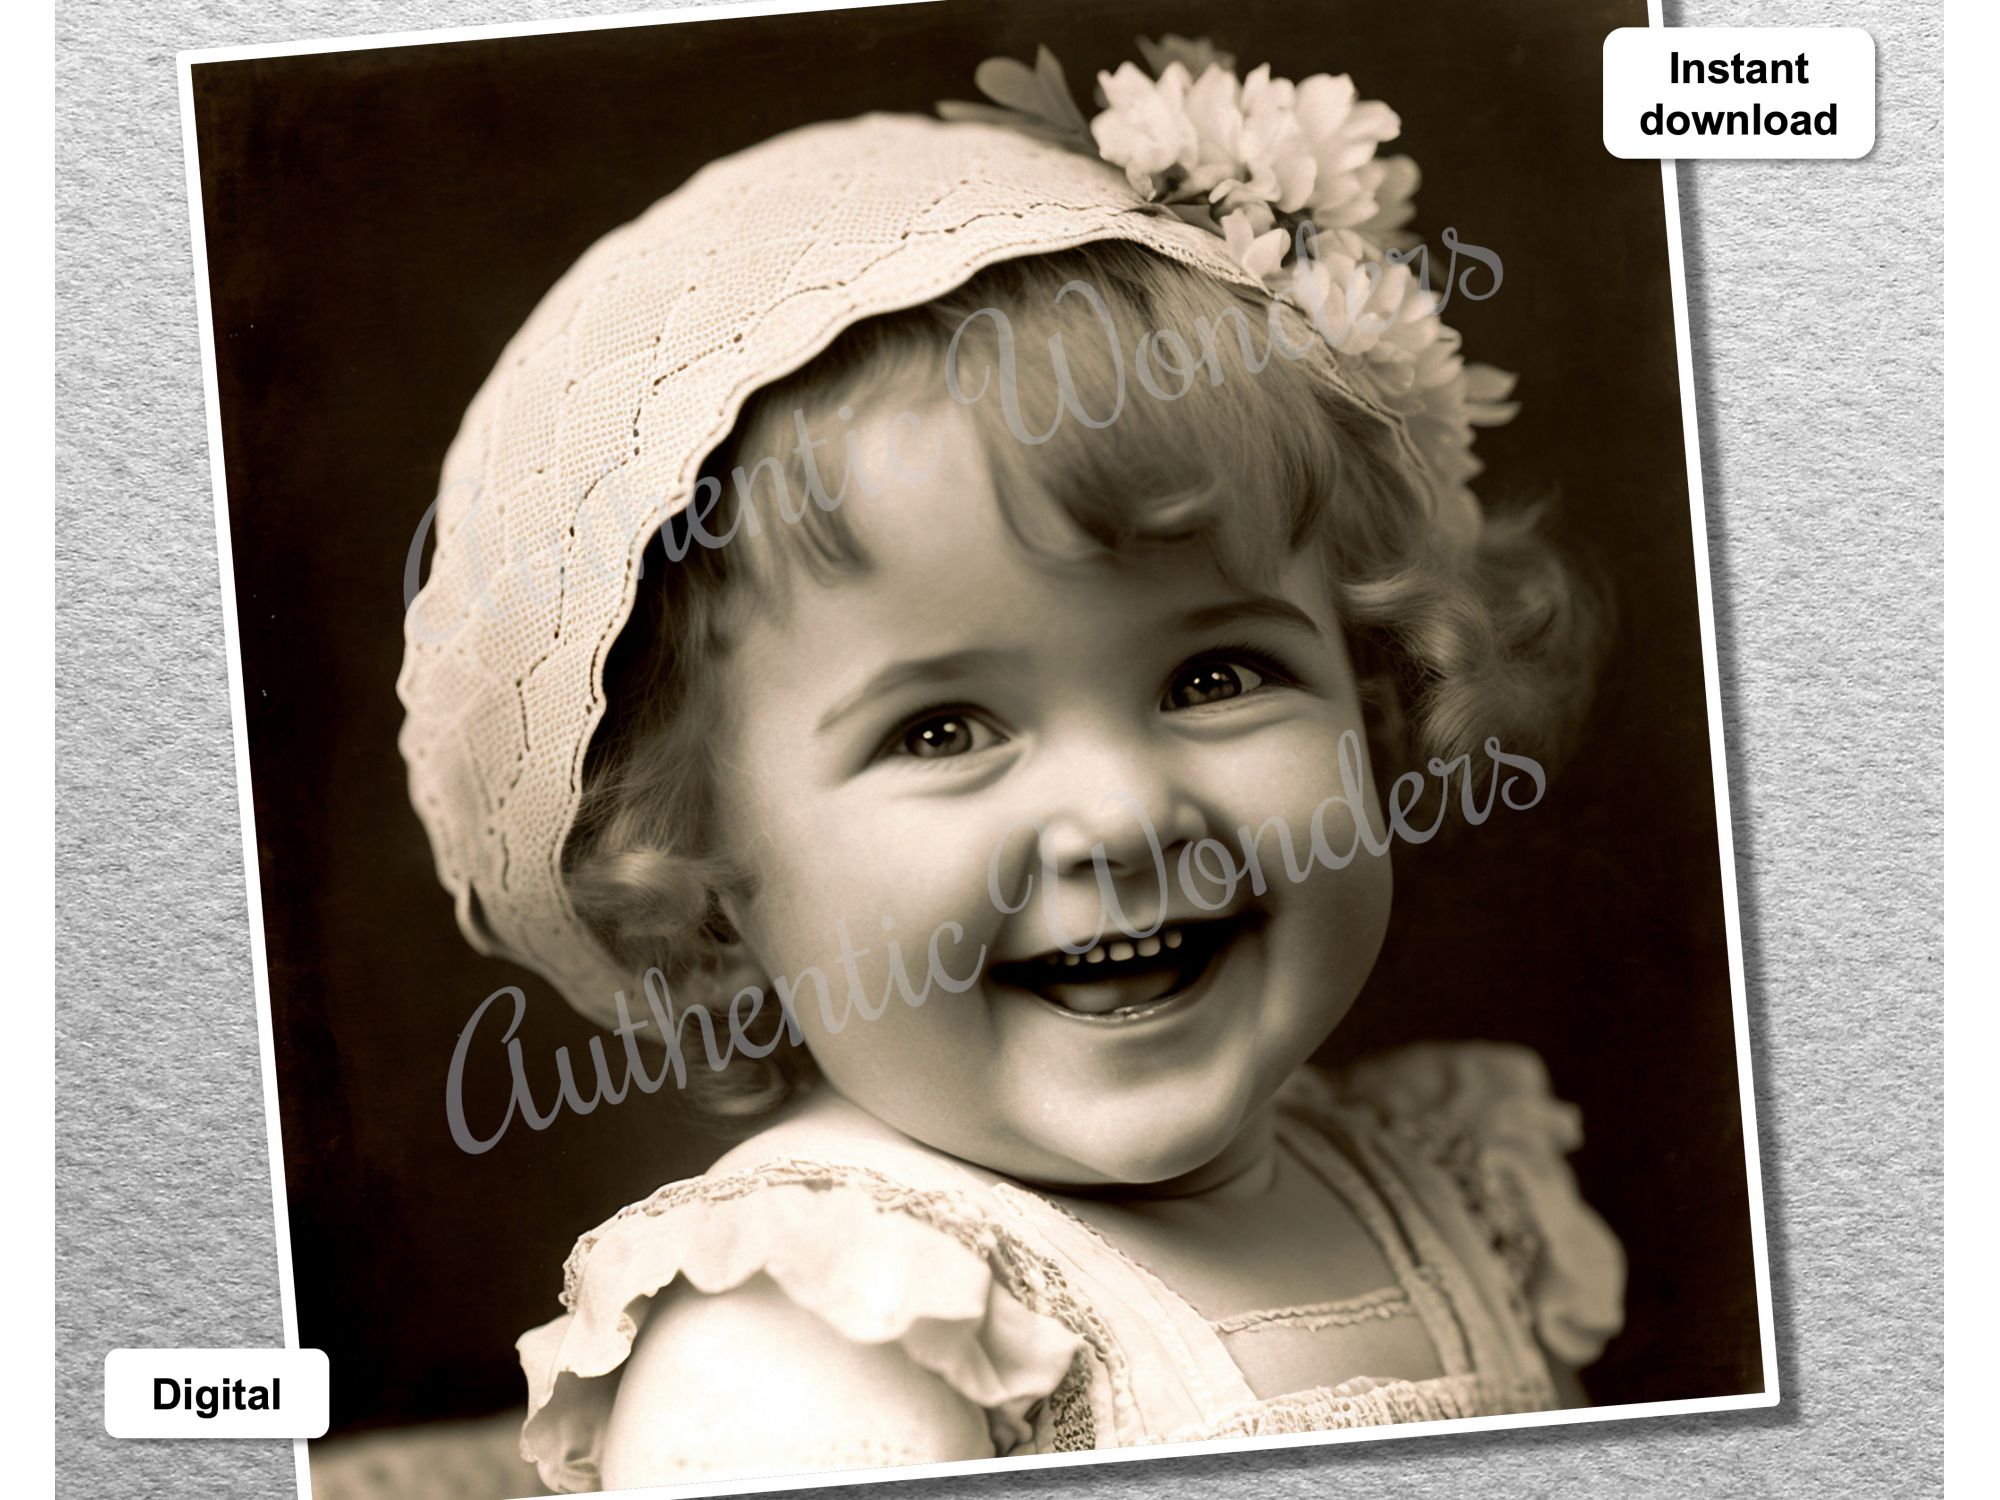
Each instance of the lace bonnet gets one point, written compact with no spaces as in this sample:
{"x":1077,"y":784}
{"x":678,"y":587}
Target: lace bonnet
{"x":593,"y":427}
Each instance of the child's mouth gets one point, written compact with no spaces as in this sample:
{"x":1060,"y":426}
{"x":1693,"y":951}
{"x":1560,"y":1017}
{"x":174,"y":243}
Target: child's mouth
{"x":1124,"y":975}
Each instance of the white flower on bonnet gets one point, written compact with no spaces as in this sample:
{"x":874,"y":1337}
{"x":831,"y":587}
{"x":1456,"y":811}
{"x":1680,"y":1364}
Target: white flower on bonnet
{"x":1273,"y":167}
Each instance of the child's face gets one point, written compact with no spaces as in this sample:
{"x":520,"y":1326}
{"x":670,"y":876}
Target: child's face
{"x":967,"y":719}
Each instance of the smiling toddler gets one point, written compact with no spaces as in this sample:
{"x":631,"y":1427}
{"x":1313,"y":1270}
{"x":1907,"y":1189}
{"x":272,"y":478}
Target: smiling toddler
{"x":975,"y":612}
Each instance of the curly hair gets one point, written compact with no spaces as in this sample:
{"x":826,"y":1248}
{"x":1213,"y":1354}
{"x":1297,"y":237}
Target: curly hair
{"x":1257,"y":455}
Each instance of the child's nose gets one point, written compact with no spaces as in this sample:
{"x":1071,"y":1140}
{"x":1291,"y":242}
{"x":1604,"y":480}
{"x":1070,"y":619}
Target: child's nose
{"x":1130,"y":812}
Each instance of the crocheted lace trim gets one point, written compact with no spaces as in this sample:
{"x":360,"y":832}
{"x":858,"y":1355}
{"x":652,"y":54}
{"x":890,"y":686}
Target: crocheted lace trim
{"x":1374,"y":1403}
{"x":1383,"y":1303}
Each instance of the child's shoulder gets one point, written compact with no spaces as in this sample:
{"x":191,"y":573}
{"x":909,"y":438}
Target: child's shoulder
{"x":825,"y":1223}
{"x":1481,"y":1119}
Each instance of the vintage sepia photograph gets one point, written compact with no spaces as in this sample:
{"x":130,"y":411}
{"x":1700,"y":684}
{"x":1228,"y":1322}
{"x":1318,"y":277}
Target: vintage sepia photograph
{"x":973,"y":734}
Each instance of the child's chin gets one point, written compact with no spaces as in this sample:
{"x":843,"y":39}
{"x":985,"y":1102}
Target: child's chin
{"x":1159,"y":1151}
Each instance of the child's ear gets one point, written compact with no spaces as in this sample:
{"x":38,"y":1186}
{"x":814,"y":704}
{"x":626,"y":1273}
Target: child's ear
{"x":723,"y":924}
{"x":731,"y":958}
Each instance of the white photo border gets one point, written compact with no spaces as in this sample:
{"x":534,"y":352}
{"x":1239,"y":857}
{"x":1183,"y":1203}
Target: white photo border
{"x":820,"y":1478}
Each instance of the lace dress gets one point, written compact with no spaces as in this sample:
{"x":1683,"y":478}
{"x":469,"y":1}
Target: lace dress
{"x":1450,"y":1155}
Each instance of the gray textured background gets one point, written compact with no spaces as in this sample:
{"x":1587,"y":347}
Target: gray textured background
{"x":1815,"y":299}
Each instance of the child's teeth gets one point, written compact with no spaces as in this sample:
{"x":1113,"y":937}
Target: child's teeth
{"x":1120,"y":952}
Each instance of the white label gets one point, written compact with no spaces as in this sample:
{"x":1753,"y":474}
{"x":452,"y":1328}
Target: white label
{"x":1771,"y":91}
{"x":215,"y":1393}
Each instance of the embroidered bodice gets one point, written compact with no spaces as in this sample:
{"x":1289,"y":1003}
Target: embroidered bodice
{"x":1450,"y":1155}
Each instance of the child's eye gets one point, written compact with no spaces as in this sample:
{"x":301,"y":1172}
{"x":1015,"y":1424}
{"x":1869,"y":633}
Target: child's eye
{"x":1216,"y":679}
{"x":941,"y":736}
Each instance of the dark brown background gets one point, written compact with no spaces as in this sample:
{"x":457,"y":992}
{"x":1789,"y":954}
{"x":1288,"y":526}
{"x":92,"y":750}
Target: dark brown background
{"x":380,"y":222}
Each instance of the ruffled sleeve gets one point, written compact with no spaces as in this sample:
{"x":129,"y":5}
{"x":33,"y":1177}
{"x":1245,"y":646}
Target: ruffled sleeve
{"x":1484,"y":1113}
{"x":878,"y":1262}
